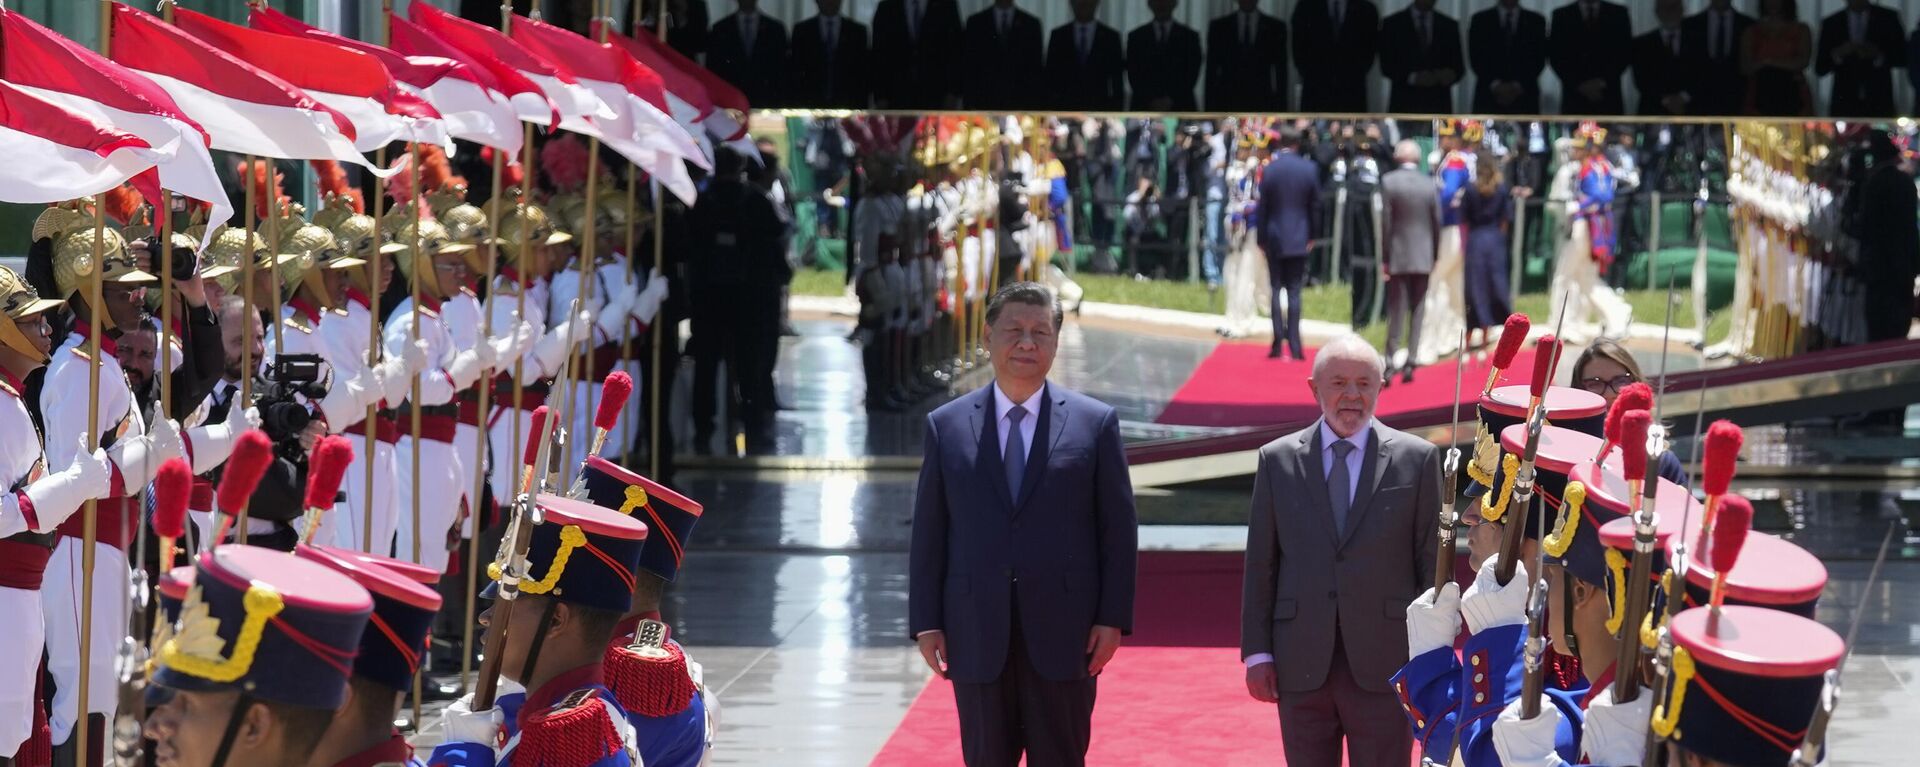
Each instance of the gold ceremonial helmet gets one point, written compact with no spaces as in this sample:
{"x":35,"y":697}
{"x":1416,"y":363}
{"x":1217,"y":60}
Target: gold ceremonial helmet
{"x":432,"y":239}
{"x":313,"y":249}
{"x":610,"y":214}
{"x":222,"y":259}
{"x":19,"y":301}
{"x":352,"y":231}
{"x":528,"y":223}
{"x":74,"y":240}
{"x":466,"y":223}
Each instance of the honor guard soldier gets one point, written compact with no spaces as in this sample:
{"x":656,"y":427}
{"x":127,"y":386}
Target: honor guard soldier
{"x":435,"y":268}
{"x":34,"y":503}
{"x":610,"y":299}
{"x":391,"y":649}
{"x":353,"y":231}
{"x":1745,"y":682}
{"x":580,"y":561}
{"x":526,"y":227}
{"x":651,"y":675}
{"x":313,"y":282}
{"x":258,"y":661}
{"x":64,"y":242}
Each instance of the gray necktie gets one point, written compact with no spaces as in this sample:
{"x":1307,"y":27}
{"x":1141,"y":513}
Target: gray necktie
{"x":1016,"y":454}
{"x":1340,"y":485}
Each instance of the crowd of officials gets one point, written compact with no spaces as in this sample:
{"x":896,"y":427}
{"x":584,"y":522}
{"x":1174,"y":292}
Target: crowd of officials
{"x":1713,"y":58}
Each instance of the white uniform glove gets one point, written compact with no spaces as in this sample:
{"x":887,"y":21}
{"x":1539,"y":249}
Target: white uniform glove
{"x":461,"y":724}
{"x":345,"y":400}
{"x":1616,"y":733}
{"x":549,"y":351}
{"x":1487,"y":604}
{"x":614,"y":313}
{"x":647,"y":304}
{"x":57,"y":496}
{"x":139,"y":458}
{"x":579,"y":329}
{"x":416,"y":355}
{"x":1432,"y":624}
{"x":1529,"y":742}
{"x":466,"y":366}
{"x":214,"y":442}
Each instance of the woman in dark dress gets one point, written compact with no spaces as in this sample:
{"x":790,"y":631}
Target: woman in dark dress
{"x":1486,"y":212}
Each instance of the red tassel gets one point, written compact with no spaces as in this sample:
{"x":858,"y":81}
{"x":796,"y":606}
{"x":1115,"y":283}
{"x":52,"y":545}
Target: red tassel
{"x":1515,"y":333}
{"x":1722,"y":451}
{"x":653,"y":687}
{"x":569,"y":737}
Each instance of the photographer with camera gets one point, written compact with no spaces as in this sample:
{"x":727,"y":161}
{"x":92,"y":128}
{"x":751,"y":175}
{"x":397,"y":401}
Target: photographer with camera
{"x":278,"y":390}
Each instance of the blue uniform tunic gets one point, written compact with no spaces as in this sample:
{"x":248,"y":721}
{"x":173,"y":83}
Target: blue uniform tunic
{"x":1441,"y":696}
{"x":579,"y":690}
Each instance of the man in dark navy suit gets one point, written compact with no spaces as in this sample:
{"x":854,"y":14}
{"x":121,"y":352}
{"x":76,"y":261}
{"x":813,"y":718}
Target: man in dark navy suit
{"x":1589,"y":48}
{"x":1420,"y":56}
{"x":916,"y":54}
{"x":1283,"y":222}
{"x":1507,"y":46}
{"x":1713,"y":35}
{"x":1163,"y":62}
{"x":1000,"y":59}
{"x":1666,"y":68}
{"x":1860,"y":45}
{"x":1333,"y":46}
{"x":1024,"y":541}
{"x":1085,"y":66}
{"x":829,"y":64}
{"x":749,"y":49}
{"x":1247,"y":61}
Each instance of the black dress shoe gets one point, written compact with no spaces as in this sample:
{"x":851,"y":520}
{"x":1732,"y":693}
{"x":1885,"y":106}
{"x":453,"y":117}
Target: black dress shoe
{"x":1406,"y":374}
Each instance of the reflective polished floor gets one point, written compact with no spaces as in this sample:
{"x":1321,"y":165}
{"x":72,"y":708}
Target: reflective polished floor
{"x":794,"y":593}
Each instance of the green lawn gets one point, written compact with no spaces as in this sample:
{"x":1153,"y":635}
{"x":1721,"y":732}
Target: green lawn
{"x":1330,"y":303}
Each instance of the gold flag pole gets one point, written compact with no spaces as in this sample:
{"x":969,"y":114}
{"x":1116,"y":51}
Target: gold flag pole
{"x":413,"y":394}
{"x":90,"y":514}
{"x":372,"y":423}
{"x":486,"y":388}
{"x":654,"y":415}
{"x":588,"y":241}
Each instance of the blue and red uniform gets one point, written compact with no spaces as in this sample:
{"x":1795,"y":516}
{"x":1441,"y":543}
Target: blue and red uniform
{"x":1442,"y":696}
{"x":1596,"y":186}
{"x":572,"y":721}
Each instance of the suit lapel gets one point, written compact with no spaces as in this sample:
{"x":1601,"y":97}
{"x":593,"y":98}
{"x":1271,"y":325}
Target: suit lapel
{"x":1053,"y":423}
{"x":1313,"y":475}
{"x":986,"y":429}
{"x":1372,"y":468}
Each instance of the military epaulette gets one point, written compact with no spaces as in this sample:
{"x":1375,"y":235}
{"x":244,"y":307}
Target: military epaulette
{"x":577,"y":730}
{"x":508,"y":288}
{"x":80,"y":352}
{"x":298,"y":322}
{"x":8,"y":388}
{"x":468,"y":292}
{"x":650,"y":681}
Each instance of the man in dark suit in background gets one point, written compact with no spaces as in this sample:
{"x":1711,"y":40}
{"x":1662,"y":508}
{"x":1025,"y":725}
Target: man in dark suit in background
{"x":1163,"y":62}
{"x":916,"y":54}
{"x":1247,"y":61}
{"x":1507,"y":46}
{"x":1665,"y":67}
{"x":1589,"y":48}
{"x":1283,"y":221}
{"x":749,"y":49}
{"x":1333,"y":45}
{"x":1000,"y":60}
{"x":1339,"y":540}
{"x":1024,"y":546}
{"x":687,"y":26}
{"x":828,"y":67}
{"x":1860,"y":46}
{"x":1889,"y":244}
{"x":1421,"y":59}
{"x":1086,"y":69}
{"x":1713,"y":35}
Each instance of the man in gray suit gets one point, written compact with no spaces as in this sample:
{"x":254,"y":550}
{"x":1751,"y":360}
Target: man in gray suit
{"x":1410,"y":217}
{"x":1339,"y":540}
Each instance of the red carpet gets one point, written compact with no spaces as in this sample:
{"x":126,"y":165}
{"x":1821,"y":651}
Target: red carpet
{"x":1238,"y":386}
{"x":1174,"y":695}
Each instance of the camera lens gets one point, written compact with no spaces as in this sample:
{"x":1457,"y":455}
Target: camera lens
{"x":283,"y":420}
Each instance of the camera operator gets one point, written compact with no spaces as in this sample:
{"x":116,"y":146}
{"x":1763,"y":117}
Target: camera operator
{"x":277,"y":502}
{"x":197,"y":355}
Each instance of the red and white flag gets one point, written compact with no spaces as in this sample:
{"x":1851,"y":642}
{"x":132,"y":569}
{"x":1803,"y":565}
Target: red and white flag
{"x":575,"y":104}
{"x":54,"y":68}
{"x":245,"y":110}
{"x":55,"y":154}
{"x":639,"y":131}
{"x":350,"y":82}
{"x":687,"y":99}
{"x":412,"y":78}
{"x":728,"y":121}
{"x":480,"y":106}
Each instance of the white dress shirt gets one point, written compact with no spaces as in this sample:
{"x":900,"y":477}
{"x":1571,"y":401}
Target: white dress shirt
{"x":1002,"y":404}
{"x":1355,"y":458}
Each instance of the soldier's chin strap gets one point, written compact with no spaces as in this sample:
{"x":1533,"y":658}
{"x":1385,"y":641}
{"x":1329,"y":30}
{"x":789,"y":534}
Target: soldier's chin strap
{"x":539,"y":639}
{"x":239,"y":714}
{"x":1566,"y":613}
